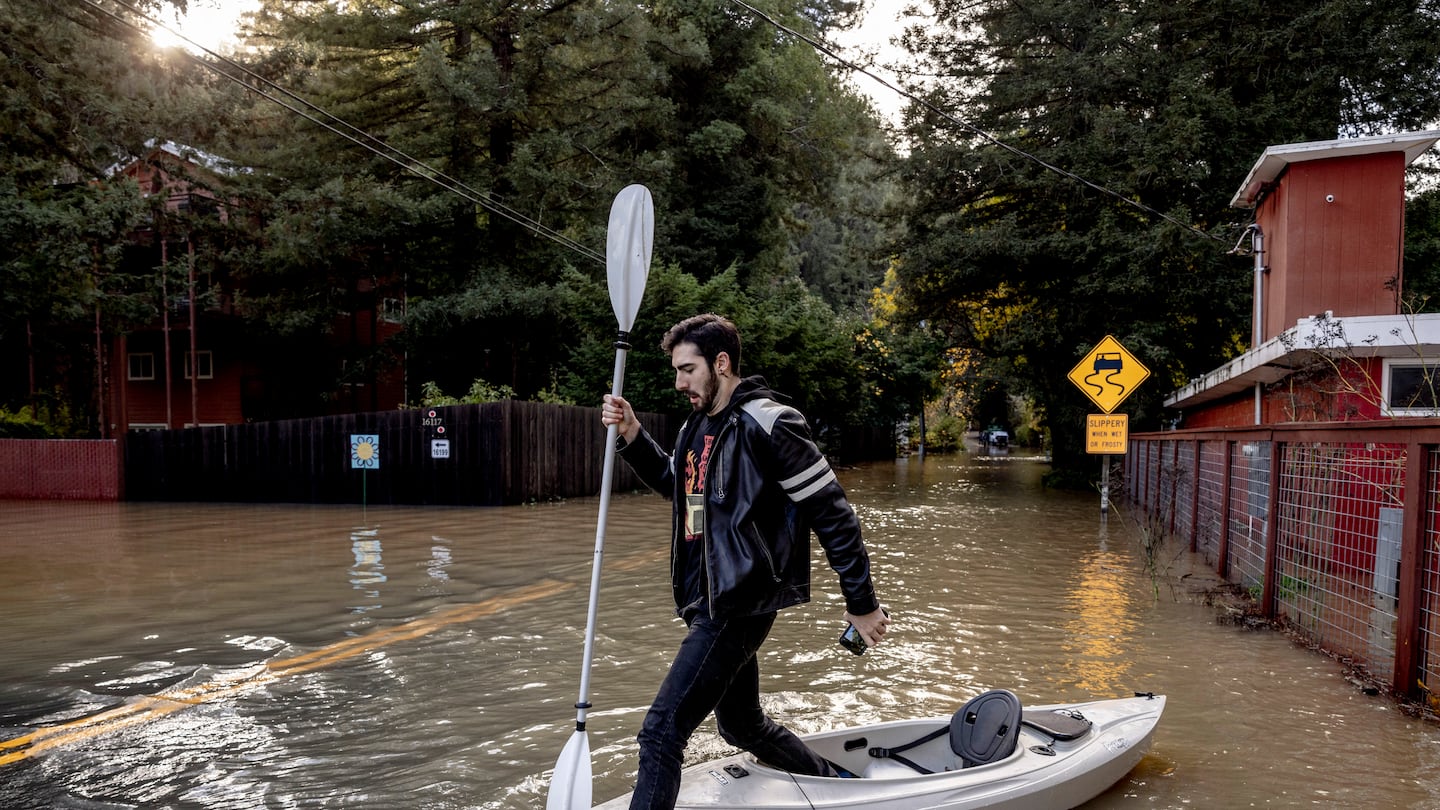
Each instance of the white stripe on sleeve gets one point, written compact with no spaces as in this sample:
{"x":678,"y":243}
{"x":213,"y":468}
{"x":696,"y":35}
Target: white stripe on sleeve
{"x":814,"y":470}
{"x":813,"y":488}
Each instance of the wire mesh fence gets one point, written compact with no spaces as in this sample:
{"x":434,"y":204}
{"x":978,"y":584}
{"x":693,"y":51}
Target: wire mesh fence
{"x":1320,"y":528}
{"x":1339,"y":547}
{"x":1249,"y":513}
{"x":1429,"y":666}
{"x":1211,"y":497}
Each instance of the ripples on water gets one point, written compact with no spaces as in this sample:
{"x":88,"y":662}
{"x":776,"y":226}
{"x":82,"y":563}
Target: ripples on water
{"x":300,"y":657}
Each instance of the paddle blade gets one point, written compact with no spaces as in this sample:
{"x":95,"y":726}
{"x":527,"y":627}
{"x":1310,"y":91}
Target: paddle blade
{"x":627,"y":251}
{"x":570,"y":786}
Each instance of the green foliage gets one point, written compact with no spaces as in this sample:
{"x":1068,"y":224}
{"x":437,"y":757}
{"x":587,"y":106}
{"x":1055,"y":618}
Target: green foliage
{"x":1166,"y":104}
{"x":546,"y":110}
{"x":1422,"y":251}
{"x":945,"y":435}
{"x":43,"y":420}
{"x":23,"y":426}
{"x":789,"y":336}
{"x":82,"y":94}
{"x":480,"y":392}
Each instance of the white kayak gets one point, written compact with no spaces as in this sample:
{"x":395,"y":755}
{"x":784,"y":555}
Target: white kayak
{"x":1062,"y":756}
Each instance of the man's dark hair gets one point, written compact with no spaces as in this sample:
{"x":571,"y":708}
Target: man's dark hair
{"x":710,"y":333}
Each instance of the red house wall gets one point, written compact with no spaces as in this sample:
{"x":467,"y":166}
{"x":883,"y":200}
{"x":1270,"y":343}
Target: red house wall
{"x":1342,"y":255}
{"x":219,"y":399}
{"x":1326,"y":398}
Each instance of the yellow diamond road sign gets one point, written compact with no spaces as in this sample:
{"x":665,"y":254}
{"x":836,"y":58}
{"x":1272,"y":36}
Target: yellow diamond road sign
{"x":1108,"y":374}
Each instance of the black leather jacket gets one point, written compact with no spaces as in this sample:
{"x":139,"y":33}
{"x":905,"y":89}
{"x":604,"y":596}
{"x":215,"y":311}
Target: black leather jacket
{"x":767,"y":486}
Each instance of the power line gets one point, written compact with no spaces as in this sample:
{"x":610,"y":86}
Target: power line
{"x":822,"y":48}
{"x":423,"y":170}
{"x":354,"y":134}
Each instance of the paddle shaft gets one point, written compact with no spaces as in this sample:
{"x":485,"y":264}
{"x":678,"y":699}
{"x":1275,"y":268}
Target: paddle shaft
{"x":607,"y":479}
{"x":627,"y":264}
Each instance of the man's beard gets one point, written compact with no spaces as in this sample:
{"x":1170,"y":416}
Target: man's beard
{"x":707,"y":397}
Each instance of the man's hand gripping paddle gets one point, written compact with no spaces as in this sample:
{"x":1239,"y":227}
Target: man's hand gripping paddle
{"x":627,"y":263}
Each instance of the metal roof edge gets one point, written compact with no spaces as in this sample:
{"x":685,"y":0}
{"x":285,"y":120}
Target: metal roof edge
{"x":1359,"y":335}
{"x":1275,"y":158}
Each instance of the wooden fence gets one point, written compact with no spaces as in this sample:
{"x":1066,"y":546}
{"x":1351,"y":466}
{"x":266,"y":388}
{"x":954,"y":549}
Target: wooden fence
{"x":499,"y":453}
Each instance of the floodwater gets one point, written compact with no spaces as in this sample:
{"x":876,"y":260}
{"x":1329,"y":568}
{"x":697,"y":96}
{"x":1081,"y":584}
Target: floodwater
{"x":281,"y":656}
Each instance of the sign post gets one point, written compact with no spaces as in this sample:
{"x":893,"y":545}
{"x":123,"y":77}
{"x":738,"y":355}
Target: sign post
{"x":1107,"y":375}
{"x":364,"y":456}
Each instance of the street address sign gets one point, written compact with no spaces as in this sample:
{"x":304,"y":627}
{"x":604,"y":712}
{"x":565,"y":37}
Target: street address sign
{"x":1108,"y":374}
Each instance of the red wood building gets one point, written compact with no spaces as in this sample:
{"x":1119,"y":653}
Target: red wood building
{"x":196,"y":364}
{"x":1306,"y":469}
{"x":1331,"y":337}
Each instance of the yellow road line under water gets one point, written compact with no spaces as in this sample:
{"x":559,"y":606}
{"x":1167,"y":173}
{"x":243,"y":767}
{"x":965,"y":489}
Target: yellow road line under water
{"x":150,"y":707}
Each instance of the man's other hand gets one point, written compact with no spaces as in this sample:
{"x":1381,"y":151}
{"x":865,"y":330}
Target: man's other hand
{"x":872,"y":626}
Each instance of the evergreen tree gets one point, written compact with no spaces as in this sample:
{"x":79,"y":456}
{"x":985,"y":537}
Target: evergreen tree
{"x":742,"y":134}
{"x":1165,"y":104}
{"x":84,"y":90}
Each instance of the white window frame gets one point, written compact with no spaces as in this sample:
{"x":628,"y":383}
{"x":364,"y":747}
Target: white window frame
{"x":1387,"y":372}
{"x":130,"y":365}
{"x":207,"y":364}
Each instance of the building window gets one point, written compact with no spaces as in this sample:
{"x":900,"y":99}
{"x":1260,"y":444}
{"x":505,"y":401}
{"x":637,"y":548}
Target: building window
{"x":140,"y":366}
{"x":1411,"y":388}
{"x":205,"y":366}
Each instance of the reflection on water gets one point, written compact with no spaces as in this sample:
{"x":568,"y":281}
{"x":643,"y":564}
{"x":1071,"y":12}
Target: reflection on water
{"x":239,"y":656}
{"x":440,"y":559}
{"x":1098,"y":648}
{"x":368,"y":572}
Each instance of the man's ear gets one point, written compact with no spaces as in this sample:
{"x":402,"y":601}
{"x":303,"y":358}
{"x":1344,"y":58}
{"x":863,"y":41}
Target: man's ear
{"x":722,"y":363}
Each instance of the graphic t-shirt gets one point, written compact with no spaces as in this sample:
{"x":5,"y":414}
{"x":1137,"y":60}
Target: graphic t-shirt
{"x":692,"y":548}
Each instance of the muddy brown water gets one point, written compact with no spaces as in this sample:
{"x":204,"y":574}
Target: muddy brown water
{"x":281,"y":656}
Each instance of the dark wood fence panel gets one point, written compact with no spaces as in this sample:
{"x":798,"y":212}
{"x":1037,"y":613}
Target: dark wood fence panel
{"x":499,"y":453}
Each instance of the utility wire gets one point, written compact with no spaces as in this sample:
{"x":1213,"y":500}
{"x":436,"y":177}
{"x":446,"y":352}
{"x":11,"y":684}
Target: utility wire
{"x":349,"y":132}
{"x":822,"y":48}
{"x":423,"y":170}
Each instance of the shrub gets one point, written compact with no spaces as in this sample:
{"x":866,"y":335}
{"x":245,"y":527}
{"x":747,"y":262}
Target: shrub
{"x":21,"y":425}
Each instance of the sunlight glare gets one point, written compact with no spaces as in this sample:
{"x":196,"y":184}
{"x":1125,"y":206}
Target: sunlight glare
{"x":212,"y":24}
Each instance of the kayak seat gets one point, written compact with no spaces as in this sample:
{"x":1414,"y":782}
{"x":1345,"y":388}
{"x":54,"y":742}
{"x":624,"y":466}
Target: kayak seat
{"x":985,"y":730}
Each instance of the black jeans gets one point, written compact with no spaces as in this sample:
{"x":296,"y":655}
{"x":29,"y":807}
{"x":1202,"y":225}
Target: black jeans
{"x":714,"y":670}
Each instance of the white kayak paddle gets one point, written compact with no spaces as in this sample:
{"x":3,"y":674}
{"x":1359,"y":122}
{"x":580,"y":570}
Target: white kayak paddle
{"x":627,"y":263}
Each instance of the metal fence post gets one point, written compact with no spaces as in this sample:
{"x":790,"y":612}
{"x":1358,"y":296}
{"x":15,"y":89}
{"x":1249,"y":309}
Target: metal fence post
{"x":1222,"y":555}
{"x":1194,"y":495}
{"x":1272,"y":530}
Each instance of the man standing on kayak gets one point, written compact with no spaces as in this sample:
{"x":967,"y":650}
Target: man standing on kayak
{"x":748,"y":487}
